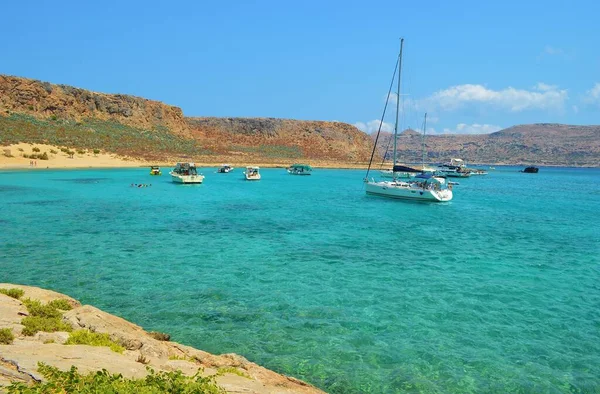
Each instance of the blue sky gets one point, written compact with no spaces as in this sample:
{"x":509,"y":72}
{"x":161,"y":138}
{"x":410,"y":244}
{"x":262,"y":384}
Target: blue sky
{"x":474,"y":67}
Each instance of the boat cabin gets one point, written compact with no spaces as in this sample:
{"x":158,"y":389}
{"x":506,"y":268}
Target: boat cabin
{"x":185,"y":169}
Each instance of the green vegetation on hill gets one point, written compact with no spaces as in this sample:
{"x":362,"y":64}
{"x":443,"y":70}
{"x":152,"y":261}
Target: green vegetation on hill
{"x":108,"y":135}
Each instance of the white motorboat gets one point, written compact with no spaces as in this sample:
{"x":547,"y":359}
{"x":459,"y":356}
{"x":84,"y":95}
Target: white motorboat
{"x":225,"y":169}
{"x":422,"y":187}
{"x":186,"y":173}
{"x":455,"y":168}
{"x":252,"y":173}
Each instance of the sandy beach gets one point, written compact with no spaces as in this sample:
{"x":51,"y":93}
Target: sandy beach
{"x":11,"y":157}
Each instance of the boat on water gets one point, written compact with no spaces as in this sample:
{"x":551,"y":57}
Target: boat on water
{"x":531,"y":170}
{"x":423,"y":186}
{"x":478,"y":171}
{"x":455,"y":168}
{"x":225,"y":169}
{"x":186,"y":173}
{"x":155,"y":170}
{"x":252,"y":173}
{"x":299,"y":169}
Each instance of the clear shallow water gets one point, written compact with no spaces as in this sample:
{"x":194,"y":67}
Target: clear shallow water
{"x":496,"y":291}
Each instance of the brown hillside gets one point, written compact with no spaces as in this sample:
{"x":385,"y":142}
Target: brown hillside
{"x":283,"y":138}
{"x":538,"y":144}
{"x":39,"y":112}
{"x":45,"y":100}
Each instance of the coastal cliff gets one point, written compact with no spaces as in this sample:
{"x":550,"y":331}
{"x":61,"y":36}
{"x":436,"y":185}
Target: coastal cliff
{"x":261,"y":138}
{"x":21,"y":350}
{"x":33,"y":111}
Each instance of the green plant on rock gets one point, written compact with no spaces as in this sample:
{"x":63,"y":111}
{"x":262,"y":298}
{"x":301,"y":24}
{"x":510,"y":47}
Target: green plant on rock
{"x":86,"y":337}
{"x":36,"y":308}
{"x":35,"y":149}
{"x":43,"y":156}
{"x":34,"y":324}
{"x":57,"y":381}
{"x":46,"y":318}
{"x":6,"y":336}
{"x":96,"y":151}
{"x":13,"y":292}
{"x":222,"y":371}
{"x":61,"y":303}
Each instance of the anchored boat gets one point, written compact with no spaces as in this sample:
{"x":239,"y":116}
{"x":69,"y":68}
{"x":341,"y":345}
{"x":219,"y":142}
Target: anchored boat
{"x":252,"y":173}
{"x":423,"y":187}
{"x":155,"y":170}
{"x":186,"y":173}
{"x":299,"y":169}
{"x":225,"y":169}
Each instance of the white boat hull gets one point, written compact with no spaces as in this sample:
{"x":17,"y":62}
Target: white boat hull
{"x":252,"y":177}
{"x":187,"y":179}
{"x":403,"y":190}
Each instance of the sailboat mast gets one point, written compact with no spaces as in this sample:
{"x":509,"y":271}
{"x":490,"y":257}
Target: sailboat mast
{"x":398,"y":100}
{"x":423,"y":143}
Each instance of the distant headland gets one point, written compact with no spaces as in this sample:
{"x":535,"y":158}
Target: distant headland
{"x":126,"y":130}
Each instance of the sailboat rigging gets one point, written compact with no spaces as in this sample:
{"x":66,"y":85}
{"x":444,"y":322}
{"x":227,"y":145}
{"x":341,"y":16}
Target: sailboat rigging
{"x":423,"y":187}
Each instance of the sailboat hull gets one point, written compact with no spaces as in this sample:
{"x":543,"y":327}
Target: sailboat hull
{"x":407,"y":191}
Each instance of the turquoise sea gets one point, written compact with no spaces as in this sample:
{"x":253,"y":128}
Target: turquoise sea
{"x":495,"y":291}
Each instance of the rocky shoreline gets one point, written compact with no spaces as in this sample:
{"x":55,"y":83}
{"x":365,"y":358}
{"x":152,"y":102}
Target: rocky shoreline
{"x":19,"y":359}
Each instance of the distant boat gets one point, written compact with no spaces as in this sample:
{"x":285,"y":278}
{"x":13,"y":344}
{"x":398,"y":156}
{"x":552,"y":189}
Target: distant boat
{"x":424,"y":186}
{"x":478,"y":171}
{"x":531,"y":170}
{"x":252,"y":173}
{"x":299,"y":169}
{"x":155,"y":170}
{"x":186,"y":173}
{"x":225,"y":169}
{"x":455,"y":168}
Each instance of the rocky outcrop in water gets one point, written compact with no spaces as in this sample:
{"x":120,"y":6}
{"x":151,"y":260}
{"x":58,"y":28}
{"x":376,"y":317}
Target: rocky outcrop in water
{"x":19,"y":359}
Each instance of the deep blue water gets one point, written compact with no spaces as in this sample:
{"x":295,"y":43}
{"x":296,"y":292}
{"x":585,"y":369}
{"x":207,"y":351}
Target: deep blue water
{"x":495,"y":291}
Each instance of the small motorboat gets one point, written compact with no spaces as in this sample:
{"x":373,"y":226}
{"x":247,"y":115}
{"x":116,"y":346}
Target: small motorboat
{"x":186,"y":173}
{"x":531,"y":170}
{"x":252,"y":173}
{"x":155,"y":170}
{"x":225,"y":169}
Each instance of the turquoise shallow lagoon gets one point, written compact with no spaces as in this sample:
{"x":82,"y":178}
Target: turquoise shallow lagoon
{"x":495,"y":291}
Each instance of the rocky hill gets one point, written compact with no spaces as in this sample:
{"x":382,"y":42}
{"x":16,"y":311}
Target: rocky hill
{"x":282,"y":138}
{"x":40,"y":112}
{"x":538,"y":144}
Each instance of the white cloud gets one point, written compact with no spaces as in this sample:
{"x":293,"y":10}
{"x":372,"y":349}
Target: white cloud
{"x":542,"y":97}
{"x":575,"y":109}
{"x":373,"y":126}
{"x":592,"y":96}
{"x":550,"y":50}
{"x":475,"y":128}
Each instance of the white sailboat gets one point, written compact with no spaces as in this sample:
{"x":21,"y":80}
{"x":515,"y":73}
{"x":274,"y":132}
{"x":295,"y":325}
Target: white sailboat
{"x":423,"y":187}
